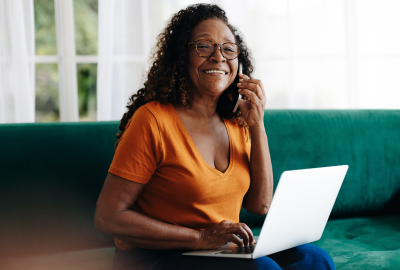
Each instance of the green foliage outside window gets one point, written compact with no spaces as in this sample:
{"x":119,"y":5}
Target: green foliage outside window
{"x":86,"y":25}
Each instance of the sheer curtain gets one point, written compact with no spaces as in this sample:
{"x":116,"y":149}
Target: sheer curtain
{"x":17,"y":68}
{"x":122,"y":53}
{"x":309,"y":54}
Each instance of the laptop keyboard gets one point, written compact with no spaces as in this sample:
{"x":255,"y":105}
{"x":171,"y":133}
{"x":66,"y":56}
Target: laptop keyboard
{"x":244,"y":250}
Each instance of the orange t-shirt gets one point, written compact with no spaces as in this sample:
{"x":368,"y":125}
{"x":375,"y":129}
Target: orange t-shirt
{"x":181,"y":188}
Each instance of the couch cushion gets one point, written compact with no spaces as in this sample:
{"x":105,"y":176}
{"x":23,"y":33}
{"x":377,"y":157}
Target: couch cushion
{"x":366,"y":140}
{"x":74,"y":156}
{"x":357,"y":243}
{"x":367,"y":243}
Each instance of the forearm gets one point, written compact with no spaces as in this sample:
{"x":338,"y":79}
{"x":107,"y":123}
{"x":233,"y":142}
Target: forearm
{"x":146,"y":232}
{"x":259,"y":196}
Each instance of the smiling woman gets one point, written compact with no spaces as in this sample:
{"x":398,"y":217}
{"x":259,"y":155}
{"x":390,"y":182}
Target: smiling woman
{"x":184,"y":164}
{"x":211,"y":73}
{"x":168,"y":80}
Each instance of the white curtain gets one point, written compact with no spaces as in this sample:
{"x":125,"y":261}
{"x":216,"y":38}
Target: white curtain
{"x":121,"y":55}
{"x":309,"y":54}
{"x":17,"y":69}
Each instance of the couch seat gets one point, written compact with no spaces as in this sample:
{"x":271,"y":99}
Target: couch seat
{"x":366,"y":243}
{"x":363,"y":243}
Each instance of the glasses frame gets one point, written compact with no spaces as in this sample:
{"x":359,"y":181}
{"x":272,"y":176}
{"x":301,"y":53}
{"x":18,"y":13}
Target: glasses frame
{"x":215,"y":46}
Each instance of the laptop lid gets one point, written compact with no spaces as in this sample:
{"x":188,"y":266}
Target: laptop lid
{"x":300,"y":208}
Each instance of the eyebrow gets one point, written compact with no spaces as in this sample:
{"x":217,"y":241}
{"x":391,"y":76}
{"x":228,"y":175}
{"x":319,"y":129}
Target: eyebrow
{"x":207,"y":35}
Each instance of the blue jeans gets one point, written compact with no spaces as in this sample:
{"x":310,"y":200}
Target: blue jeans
{"x":304,"y":257}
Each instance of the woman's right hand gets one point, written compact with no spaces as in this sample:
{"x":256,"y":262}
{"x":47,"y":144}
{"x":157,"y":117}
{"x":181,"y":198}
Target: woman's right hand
{"x":224,"y":232}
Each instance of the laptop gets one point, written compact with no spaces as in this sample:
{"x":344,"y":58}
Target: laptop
{"x":298,"y":214}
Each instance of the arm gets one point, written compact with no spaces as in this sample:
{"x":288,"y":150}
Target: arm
{"x":259,"y":196}
{"x":114,"y":216}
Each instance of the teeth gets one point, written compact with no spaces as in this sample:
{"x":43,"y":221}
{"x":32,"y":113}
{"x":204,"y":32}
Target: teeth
{"x":215,"y":71}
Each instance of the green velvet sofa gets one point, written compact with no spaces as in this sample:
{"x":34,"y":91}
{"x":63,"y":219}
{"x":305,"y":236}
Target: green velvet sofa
{"x":51,"y":175}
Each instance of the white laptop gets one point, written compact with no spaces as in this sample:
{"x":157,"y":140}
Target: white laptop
{"x":298,"y":214}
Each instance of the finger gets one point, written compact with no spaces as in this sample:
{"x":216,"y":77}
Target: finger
{"x":244,"y":234}
{"x":243,"y":76}
{"x":252,"y":86}
{"x":250,"y":233}
{"x":251,"y":95}
{"x":234,"y":239}
{"x":237,"y":229}
{"x":255,"y":81}
{"x":247,"y":78}
{"x":258,"y":82}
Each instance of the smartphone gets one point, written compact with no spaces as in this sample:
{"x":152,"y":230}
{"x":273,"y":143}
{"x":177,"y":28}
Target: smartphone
{"x":240,"y":96}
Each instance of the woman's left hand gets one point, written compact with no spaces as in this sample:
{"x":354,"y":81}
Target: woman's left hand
{"x":252,"y":109}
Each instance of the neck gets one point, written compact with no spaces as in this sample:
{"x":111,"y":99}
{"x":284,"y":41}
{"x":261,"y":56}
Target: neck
{"x":203,"y":107}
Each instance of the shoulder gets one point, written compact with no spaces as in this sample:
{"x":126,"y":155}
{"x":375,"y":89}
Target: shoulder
{"x":157,"y":108}
{"x":151,"y":112}
{"x":143,"y":124}
{"x":163,"y":113}
{"x":147,"y":118}
{"x":153,"y":116}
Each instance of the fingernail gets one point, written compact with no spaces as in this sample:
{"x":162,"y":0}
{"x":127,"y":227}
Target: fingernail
{"x":240,"y":80}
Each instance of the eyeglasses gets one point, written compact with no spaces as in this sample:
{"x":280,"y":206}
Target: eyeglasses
{"x":205,"y":48}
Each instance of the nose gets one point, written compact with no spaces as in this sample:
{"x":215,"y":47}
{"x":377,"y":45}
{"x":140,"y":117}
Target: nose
{"x":217,"y":55}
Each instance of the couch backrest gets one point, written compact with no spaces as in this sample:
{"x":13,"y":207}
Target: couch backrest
{"x":51,"y":174}
{"x":366,"y":140}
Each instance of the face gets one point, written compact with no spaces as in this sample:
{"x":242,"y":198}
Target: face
{"x":211,"y":83}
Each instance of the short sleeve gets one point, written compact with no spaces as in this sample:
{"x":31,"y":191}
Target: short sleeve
{"x":137,"y":155}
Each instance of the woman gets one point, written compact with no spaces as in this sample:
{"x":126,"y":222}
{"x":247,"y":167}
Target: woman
{"x":184,"y":163}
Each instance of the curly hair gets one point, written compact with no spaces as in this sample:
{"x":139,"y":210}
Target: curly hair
{"x":168,"y":80}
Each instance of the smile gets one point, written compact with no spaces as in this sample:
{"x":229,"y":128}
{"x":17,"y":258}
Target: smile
{"x":215,"y":72}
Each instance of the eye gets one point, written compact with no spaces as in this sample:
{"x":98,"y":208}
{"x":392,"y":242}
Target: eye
{"x":203,"y":45}
{"x":228,"y":49}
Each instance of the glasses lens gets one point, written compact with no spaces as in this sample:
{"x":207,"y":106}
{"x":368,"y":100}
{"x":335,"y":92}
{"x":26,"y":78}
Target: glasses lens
{"x":205,"y":48}
{"x":230,"y":51}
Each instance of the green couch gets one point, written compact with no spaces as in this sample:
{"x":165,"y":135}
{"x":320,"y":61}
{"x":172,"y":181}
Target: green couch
{"x":51,"y":175}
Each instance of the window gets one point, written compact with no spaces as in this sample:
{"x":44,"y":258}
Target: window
{"x":48,"y":24}
{"x":310,"y":54}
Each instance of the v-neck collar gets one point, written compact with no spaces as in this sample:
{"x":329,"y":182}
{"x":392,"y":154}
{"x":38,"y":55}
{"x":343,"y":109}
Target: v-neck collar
{"x":196,"y":150}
